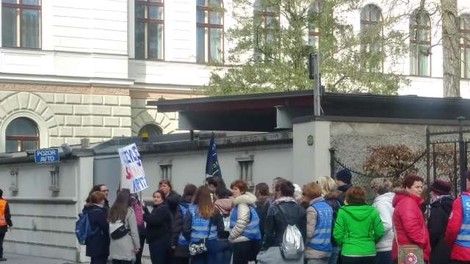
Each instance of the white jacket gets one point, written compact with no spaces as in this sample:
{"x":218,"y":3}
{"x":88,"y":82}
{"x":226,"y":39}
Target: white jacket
{"x":243,"y":202}
{"x":383,"y":203}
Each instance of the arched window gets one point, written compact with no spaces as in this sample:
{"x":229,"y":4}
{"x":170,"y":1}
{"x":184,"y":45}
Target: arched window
{"x":465,"y":45}
{"x":371,"y":38}
{"x":420,"y":43}
{"x":22,"y":134}
{"x":210,"y":31}
{"x":150,"y":131}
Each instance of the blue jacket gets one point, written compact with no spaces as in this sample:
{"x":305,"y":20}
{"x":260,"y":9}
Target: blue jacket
{"x":196,"y":227}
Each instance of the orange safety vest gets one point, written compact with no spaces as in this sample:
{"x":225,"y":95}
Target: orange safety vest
{"x":3,"y":206}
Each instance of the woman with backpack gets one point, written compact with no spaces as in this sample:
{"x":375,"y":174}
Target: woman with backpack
{"x":357,"y":228}
{"x":202,"y":225}
{"x":244,"y":224}
{"x":158,"y":228}
{"x":97,"y":245}
{"x":178,"y":241}
{"x":284,"y":213}
{"x":123,"y":230}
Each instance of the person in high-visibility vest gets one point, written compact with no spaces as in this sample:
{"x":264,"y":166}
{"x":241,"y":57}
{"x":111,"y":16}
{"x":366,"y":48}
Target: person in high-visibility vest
{"x":5,"y":222}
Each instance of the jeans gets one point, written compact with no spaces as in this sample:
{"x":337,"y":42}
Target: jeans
{"x":223,"y":251}
{"x":334,"y":255}
{"x":317,"y":261}
{"x":383,"y":257}
{"x":210,"y":257}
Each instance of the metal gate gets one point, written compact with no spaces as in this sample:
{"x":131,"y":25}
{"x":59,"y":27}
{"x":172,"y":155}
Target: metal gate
{"x":447,"y":156}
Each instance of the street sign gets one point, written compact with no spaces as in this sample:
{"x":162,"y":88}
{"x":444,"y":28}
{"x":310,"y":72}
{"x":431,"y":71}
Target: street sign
{"x":46,"y":155}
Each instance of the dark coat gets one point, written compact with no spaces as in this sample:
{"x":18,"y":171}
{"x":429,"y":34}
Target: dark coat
{"x":343,"y":189}
{"x":97,"y":245}
{"x":177,"y":224}
{"x":437,"y":224}
{"x":276,"y":222}
{"x":172,"y":201}
{"x":262,"y":206}
{"x":158,"y":223}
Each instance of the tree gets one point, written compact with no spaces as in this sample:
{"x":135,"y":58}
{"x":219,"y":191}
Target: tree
{"x":270,"y":48}
{"x":450,"y":48}
{"x":394,"y":161}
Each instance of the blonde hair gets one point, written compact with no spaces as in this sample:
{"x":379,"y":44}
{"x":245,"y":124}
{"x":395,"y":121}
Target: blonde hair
{"x":381,"y":185}
{"x":327,"y":184}
{"x":312,"y":190}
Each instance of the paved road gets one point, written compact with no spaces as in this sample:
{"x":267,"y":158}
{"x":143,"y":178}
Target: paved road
{"x":24,"y":259}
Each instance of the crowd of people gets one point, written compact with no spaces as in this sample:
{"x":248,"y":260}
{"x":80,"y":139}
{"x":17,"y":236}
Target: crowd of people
{"x":216,"y":224}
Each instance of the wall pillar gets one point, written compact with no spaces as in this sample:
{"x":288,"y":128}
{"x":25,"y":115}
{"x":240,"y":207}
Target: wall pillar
{"x":311,"y":156}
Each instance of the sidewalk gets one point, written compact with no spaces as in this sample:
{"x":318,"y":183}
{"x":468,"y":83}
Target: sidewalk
{"x":24,"y":259}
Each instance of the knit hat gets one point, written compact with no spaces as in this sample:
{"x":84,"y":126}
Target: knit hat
{"x":344,"y":175}
{"x":440,"y":187}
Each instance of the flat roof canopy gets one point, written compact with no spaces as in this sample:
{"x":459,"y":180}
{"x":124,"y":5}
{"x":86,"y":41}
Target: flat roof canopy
{"x":274,"y":111}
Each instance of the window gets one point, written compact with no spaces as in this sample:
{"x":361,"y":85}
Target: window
{"x":209,"y":31}
{"x":149,"y":24}
{"x":149,"y":131}
{"x":371,"y":38}
{"x":165,"y":171}
{"x":420,"y":43}
{"x":21,"y":23}
{"x":246,"y":169}
{"x":267,"y":30}
{"x":465,"y":45}
{"x":22,"y":135}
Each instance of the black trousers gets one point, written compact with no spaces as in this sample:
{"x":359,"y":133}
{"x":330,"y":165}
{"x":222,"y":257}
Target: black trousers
{"x":118,"y":261}
{"x":138,"y":256}
{"x":357,"y":260}
{"x":243,"y":252}
{"x":2,"y":237}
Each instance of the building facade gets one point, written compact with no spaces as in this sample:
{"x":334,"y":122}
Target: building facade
{"x":80,"y":69}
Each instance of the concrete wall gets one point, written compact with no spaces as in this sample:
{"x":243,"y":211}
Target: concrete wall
{"x":44,"y":220}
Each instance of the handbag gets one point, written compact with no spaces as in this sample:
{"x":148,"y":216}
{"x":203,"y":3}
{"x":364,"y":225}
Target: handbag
{"x":118,"y":230}
{"x":200,"y":247}
{"x":409,"y":253}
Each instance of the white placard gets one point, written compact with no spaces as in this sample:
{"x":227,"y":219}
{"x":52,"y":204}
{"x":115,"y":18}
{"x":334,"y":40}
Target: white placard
{"x":132,"y":171}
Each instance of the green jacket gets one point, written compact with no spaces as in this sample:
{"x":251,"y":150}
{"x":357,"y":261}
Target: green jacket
{"x":357,"y":229}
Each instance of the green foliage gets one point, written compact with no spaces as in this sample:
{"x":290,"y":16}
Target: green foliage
{"x":270,"y":50}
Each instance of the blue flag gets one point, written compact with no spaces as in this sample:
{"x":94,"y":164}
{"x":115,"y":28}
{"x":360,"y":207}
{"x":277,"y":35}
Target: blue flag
{"x":212,"y":163}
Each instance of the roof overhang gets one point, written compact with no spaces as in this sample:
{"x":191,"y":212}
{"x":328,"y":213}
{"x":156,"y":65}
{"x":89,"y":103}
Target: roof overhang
{"x":276,"y":111}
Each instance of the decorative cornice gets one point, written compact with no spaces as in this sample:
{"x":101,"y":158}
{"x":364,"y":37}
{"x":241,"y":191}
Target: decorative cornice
{"x":72,"y":89}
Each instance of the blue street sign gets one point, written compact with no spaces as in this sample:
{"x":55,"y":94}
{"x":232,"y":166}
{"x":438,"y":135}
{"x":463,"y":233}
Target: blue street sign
{"x":46,"y":155}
